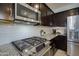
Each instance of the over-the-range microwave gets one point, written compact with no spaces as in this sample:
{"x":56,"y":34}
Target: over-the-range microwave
{"x":27,"y":13}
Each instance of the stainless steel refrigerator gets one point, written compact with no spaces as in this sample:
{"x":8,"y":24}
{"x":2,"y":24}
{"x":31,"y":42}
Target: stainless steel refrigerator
{"x":73,"y":35}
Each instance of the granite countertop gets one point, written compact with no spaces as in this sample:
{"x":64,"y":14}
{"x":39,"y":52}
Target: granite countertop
{"x":10,"y":50}
{"x":50,"y":36}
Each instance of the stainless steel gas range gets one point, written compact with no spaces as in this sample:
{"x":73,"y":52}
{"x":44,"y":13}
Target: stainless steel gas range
{"x":31,"y":46}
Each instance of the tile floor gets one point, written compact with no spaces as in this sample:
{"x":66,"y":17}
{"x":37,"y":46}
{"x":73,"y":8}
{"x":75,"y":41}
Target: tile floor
{"x":60,"y":53}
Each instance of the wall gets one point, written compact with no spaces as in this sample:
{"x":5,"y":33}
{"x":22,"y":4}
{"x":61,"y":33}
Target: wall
{"x":62,"y":30}
{"x":12,"y":32}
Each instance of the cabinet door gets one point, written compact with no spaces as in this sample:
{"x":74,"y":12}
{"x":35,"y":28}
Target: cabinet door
{"x":61,"y":17}
{"x":6,"y":11}
{"x":46,"y":17}
{"x":45,"y":21}
{"x":48,"y":20}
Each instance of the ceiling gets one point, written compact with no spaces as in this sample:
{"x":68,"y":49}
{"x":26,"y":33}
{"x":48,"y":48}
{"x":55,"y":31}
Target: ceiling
{"x":59,"y":7}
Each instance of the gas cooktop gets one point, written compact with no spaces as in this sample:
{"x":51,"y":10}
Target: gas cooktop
{"x":31,"y":45}
{"x":35,"y":40}
{"x":21,"y":45}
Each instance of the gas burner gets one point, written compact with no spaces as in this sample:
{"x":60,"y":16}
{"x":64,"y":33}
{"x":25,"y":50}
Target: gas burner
{"x":31,"y":41}
{"x":21,"y":45}
{"x":39,"y":39}
{"x":31,"y":45}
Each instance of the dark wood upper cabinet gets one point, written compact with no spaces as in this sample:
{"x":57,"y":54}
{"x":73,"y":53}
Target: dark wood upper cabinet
{"x":72,"y":12}
{"x":46,"y":14}
{"x":49,"y":18}
{"x":61,"y":17}
{"x":6,"y":11}
{"x":43,"y":8}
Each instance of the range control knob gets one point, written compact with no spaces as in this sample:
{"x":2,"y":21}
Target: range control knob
{"x":34,"y":52}
{"x":30,"y":55}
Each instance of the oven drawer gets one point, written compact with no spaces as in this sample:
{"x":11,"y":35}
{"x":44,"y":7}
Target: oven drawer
{"x":49,"y":53}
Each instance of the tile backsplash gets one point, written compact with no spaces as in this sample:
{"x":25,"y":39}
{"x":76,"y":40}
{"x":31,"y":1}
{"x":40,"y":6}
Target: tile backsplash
{"x":62,"y":30}
{"x":12,"y":32}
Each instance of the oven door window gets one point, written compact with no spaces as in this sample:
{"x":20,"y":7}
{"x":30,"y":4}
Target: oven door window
{"x":40,"y":47}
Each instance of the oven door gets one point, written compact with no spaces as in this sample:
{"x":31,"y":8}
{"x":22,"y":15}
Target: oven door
{"x":40,"y":47}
